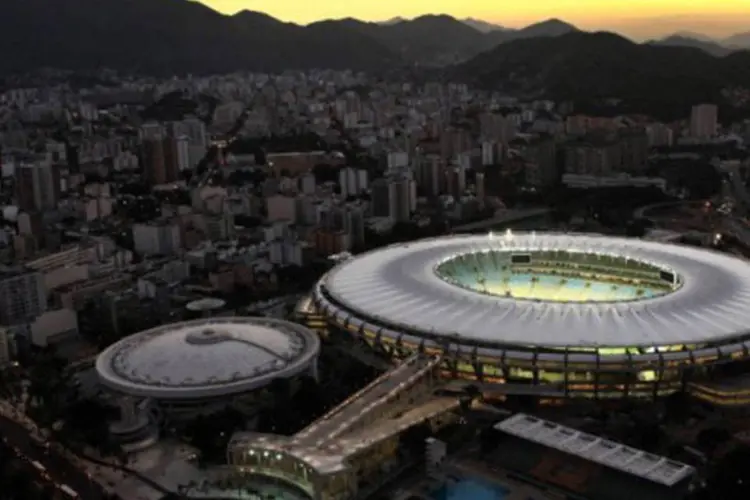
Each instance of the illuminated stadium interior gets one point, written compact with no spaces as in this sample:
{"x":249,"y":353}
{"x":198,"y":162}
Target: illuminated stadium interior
{"x":558,"y":276}
{"x":553,"y":314}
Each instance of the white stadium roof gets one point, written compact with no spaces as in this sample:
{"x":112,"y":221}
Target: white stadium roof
{"x":207,"y":357}
{"x":397,"y":286}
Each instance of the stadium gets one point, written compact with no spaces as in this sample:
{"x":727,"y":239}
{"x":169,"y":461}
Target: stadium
{"x":202,"y":365}
{"x":546,"y":314}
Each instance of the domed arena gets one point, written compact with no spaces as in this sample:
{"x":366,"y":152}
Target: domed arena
{"x":554,"y":315}
{"x":196,"y":366}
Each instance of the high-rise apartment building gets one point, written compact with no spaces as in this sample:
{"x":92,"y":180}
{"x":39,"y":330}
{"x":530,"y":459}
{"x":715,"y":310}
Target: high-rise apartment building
{"x":152,"y":131}
{"x":454,"y":141}
{"x":194,"y":129}
{"x":592,"y":157}
{"x":497,"y":127}
{"x":480,"y":187}
{"x":162,"y":157}
{"x":456,"y":181}
{"x":37,"y":186}
{"x":352,"y":181}
{"x":330,"y":217}
{"x":156,"y":238}
{"x":307,"y":183}
{"x":430,"y":175}
{"x":282,"y":208}
{"x":402,"y":198}
{"x":5,"y":346}
{"x":22,"y":296}
{"x":380,"y":198}
{"x":354,"y":224}
{"x":633,"y":150}
{"x":659,"y":135}
{"x":704,"y":121}
{"x":153,"y":161}
{"x":182,"y":153}
{"x":397,"y":159}
{"x":541,"y":152}
{"x":491,"y":153}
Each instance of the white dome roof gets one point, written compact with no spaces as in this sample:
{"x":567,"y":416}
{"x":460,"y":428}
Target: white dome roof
{"x":208,"y":357}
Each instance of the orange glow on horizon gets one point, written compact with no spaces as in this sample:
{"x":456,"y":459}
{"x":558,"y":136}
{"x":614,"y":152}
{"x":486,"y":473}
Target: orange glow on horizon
{"x":632,"y":17}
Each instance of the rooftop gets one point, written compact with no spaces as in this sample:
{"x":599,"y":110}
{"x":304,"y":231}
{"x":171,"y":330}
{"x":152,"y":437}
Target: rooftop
{"x":207,"y":357}
{"x":639,"y":463}
{"x":398,"y":287}
{"x":205,"y":304}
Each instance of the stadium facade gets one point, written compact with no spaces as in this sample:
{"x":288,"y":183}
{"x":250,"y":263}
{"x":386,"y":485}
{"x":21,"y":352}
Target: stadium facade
{"x":546,"y":314}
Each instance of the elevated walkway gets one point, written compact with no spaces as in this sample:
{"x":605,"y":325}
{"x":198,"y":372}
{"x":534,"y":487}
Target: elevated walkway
{"x":354,"y":440}
{"x":372,"y":399}
{"x":388,"y":428}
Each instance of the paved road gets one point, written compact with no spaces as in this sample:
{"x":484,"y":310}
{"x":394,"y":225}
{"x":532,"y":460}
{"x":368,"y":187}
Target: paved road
{"x":25,"y":466}
{"x":59,"y":469}
{"x":507,"y":217}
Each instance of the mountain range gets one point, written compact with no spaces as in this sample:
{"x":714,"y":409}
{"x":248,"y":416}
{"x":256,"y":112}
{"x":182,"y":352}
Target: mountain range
{"x":176,"y":36}
{"x":182,"y":36}
{"x":705,"y":45}
{"x":740,"y":41}
{"x":714,"y":46}
{"x":588,"y":68}
{"x":483,"y":26}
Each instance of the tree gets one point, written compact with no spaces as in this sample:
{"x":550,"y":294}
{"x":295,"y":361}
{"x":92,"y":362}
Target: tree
{"x":309,"y":400}
{"x":636,"y":228}
{"x":11,"y":386}
{"x":87,"y":420}
{"x":730,"y":478}
{"x":280,"y":389}
{"x":48,"y":386}
{"x":472,"y":391}
{"x":413,"y":439}
{"x":489,"y":440}
{"x":561,"y":215}
{"x":677,"y":407}
{"x":211,"y":433}
{"x":709,"y":439}
{"x":14,"y":478}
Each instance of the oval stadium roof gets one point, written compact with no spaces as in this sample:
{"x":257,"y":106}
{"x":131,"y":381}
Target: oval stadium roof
{"x":398,"y":286}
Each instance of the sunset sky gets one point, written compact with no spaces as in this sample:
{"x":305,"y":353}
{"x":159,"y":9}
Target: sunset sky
{"x":637,"y":18}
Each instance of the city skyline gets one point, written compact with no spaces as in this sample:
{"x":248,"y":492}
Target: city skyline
{"x":634,"y":18}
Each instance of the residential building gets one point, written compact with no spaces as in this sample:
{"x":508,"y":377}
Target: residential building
{"x":704,"y":121}
{"x":156,"y":238}
{"x":22,"y":296}
{"x":37,"y":186}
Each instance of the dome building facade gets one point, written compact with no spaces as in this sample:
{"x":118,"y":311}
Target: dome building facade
{"x":203,"y":365}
